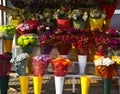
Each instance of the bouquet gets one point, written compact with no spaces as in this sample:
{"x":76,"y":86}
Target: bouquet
{"x":5,"y":65}
{"x":24,"y":28}
{"x":105,"y":66}
{"x":7,"y":31}
{"x":27,"y":42}
{"x":60,"y":66}
{"x":20,"y":63}
{"x":40,"y":64}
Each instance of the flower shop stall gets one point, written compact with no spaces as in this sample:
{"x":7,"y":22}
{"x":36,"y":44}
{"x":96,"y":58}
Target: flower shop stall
{"x":81,"y":27}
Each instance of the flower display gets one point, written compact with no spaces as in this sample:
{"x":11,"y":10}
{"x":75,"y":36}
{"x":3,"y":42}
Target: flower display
{"x":20,"y":63}
{"x":40,"y":64}
{"x":24,"y":28}
{"x":60,"y":66}
{"x":27,"y":42}
{"x":5,"y":65}
{"x":105,"y":66}
{"x":7,"y":31}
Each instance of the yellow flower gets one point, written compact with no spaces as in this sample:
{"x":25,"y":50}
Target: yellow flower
{"x":26,"y":42}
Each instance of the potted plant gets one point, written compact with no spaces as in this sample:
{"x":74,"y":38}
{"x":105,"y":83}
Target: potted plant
{"x":96,"y":19}
{"x":62,"y":16}
{"x":79,"y":18}
{"x":7,"y":32}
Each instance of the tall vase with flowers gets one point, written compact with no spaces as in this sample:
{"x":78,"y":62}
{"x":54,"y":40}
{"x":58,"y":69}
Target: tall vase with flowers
{"x":60,"y":66}
{"x":27,"y":44}
{"x":7,"y":32}
{"x":20,"y":63}
{"x":83,"y":51}
{"x":5,"y":69}
{"x":40,"y":64}
{"x":105,"y":67}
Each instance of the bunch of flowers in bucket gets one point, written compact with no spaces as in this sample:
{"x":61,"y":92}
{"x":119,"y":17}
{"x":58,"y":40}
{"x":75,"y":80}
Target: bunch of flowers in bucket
{"x":24,"y":28}
{"x":20,"y":63}
{"x":7,"y":31}
{"x":27,"y":42}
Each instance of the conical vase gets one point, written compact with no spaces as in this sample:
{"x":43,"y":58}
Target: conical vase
{"x":4,"y":80}
{"x":37,"y":82}
{"x":24,"y":84}
{"x":85,"y":83}
{"x":82,"y":60}
{"x":59,"y":83}
{"x":7,"y":45}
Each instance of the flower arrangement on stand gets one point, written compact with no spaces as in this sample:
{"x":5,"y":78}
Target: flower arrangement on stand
{"x":60,"y":67}
{"x":40,"y":64}
{"x":20,"y":63}
{"x":24,"y":28}
{"x":7,"y":32}
{"x":105,"y":67}
{"x":5,"y":68}
{"x":27,"y":44}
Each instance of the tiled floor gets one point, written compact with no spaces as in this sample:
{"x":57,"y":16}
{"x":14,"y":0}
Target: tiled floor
{"x":48,"y":86}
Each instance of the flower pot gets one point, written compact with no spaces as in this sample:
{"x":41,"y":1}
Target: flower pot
{"x":7,"y":45}
{"x":79,"y":24}
{"x":46,"y":49}
{"x":63,"y":48}
{"x":4,"y":80}
{"x":82,"y":59}
{"x":85,"y":83}
{"x":24,"y":84}
{"x":59,"y":83}
{"x":106,"y":85}
{"x":21,"y":68}
{"x":5,"y":68}
{"x":34,"y":23}
{"x":63,"y":23}
{"x":96,"y":23}
{"x":29,"y":65}
{"x":15,"y":21}
{"x":37,"y":83}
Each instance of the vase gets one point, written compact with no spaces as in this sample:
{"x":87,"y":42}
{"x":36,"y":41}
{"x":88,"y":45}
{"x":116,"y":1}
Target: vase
{"x":63,"y":48}
{"x":7,"y":45}
{"x":59,"y":83}
{"x":29,"y":64}
{"x":96,"y":23}
{"x":24,"y":84}
{"x":109,"y":8}
{"x":85,"y":83}
{"x":15,"y":21}
{"x":82,"y":60}
{"x":46,"y":49}
{"x":106,"y":85}
{"x":77,"y":24}
{"x":21,"y":68}
{"x":37,"y":83}
{"x":4,"y":80}
{"x":34,"y":23}
{"x":63,"y":23}
{"x":5,"y":68}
